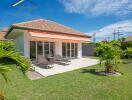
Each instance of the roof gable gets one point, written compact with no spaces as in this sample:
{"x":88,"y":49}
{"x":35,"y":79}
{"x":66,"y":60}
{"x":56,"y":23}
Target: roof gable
{"x":47,"y":25}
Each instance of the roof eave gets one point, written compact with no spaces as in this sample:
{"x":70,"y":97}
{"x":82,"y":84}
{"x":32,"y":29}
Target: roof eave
{"x":25,"y":28}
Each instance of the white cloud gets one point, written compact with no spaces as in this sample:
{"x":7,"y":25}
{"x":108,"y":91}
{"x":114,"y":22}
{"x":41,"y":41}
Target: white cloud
{"x":124,"y":27}
{"x":98,"y":7}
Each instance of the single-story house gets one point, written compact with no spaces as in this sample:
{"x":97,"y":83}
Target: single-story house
{"x":47,"y":38}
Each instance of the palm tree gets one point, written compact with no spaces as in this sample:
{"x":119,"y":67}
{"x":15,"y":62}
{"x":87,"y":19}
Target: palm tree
{"x":3,"y":70}
{"x":7,"y":51}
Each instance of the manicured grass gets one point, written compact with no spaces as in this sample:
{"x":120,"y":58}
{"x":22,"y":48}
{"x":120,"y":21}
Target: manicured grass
{"x":81,"y":84}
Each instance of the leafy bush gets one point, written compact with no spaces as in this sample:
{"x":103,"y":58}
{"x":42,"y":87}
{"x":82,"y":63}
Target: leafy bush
{"x":109,"y":53}
{"x":7,"y":45}
{"x":125,"y":45}
{"x":128,"y":52}
{"x":7,"y":51}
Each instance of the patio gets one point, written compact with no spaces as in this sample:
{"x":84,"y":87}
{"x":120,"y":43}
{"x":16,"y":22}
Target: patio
{"x":75,"y":64}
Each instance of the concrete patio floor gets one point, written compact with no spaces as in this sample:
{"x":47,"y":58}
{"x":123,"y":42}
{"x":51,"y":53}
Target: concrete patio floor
{"x":75,"y":64}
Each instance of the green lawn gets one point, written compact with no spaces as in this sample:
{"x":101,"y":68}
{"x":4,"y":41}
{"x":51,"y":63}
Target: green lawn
{"x":74,"y":85}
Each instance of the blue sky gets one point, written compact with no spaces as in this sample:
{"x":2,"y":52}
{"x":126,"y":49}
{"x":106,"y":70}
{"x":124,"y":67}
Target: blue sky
{"x":84,"y":15}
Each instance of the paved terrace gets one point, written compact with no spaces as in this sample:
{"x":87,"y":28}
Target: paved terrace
{"x":75,"y":64}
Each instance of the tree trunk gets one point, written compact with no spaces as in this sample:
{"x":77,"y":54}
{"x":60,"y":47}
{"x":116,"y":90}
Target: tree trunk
{"x":109,"y":69}
{"x":2,"y":97}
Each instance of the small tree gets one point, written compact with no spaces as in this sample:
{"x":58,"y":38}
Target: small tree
{"x":109,"y":54}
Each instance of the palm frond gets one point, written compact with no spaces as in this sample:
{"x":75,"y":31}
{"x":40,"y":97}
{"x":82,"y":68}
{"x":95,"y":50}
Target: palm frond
{"x":3,"y":70}
{"x":23,"y":62}
{"x":7,"y":51}
{"x":4,"y":76}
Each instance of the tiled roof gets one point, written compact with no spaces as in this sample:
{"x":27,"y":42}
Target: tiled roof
{"x":2,"y":36}
{"x":5,"y":29}
{"x":3,"y":33}
{"x":47,"y":25}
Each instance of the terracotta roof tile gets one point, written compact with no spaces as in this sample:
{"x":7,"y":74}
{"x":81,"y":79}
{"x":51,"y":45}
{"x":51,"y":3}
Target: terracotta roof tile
{"x":5,"y":29}
{"x":2,"y":34}
{"x":48,"y":26}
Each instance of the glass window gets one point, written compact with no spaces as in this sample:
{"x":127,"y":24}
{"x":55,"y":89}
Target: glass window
{"x":64,"y":49}
{"x":52,"y":46}
{"x":76,"y":46}
{"x":46,"y":48}
{"x":33,"y":50}
{"x":72,"y":50}
{"x":68,"y":50}
{"x":39,"y":48}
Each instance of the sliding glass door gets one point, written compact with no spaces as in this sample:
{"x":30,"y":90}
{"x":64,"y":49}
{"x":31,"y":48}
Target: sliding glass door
{"x":49,"y":48}
{"x":33,"y":50}
{"x":72,"y":49}
{"x":52,"y":49}
{"x":64,"y":53}
{"x":46,"y":49}
{"x":69,"y":50}
{"x":41,"y":48}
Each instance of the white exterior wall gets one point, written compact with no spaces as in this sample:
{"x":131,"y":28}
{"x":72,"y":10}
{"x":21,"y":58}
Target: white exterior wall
{"x":79,"y":50}
{"x":58,"y":48}
{"x":18,"y":38}
{"x":19,"y":42}
{"x":22,"y":41}
{"x":27,"y":38}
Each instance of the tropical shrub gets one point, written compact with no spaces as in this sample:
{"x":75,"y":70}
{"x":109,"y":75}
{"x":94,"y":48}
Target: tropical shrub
{"x":109,"y":54}
{"x":125,"y":45}
{"x":3,"y":70}
{"x":128,"y":52}
{"x":7,"y":45}
{"x":7,"y":51}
